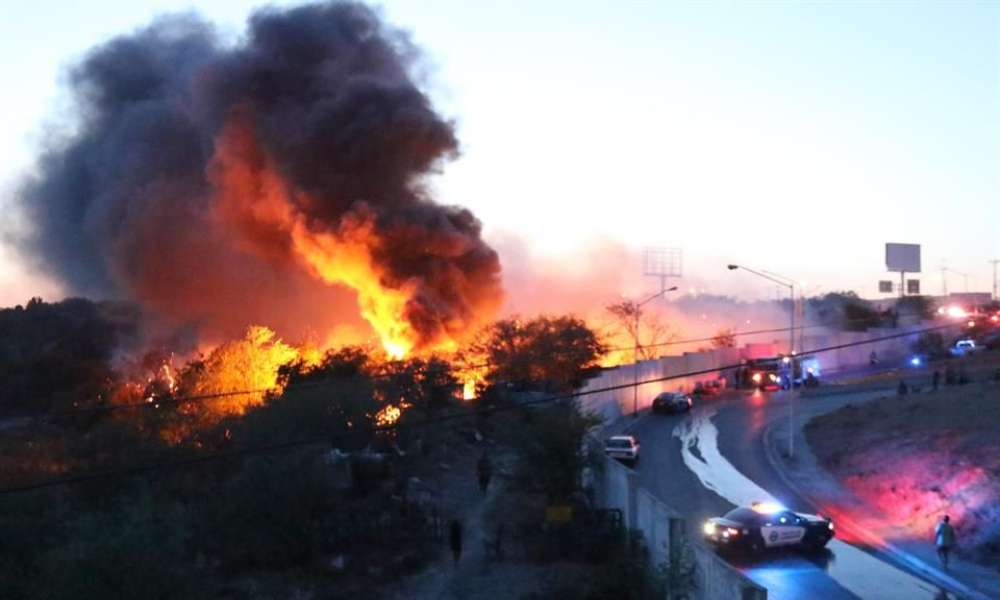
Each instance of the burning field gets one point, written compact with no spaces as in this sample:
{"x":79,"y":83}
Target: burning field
{"x":280,"y":181}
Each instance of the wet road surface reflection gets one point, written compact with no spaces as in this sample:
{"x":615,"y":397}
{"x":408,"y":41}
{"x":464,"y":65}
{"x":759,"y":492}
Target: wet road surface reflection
{"x":843,"y":572}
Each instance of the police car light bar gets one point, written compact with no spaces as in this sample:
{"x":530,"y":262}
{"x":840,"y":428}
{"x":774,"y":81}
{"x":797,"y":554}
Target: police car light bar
{"x":767,"y":508}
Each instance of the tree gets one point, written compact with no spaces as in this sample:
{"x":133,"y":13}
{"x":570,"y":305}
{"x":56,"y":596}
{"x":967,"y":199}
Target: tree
{"x":61,"y":355}
{"x":844,"y":311}
{"x":920,"y":306}
{"x":423,"y":383}
{"x":554,"y":353}
{"x":724,"y":338}
{"x":337,"y":363}
{"x":241,"y":373}
{"x":548,"y":446}
{"x":930,"y":343}
{"x":652,"y":332}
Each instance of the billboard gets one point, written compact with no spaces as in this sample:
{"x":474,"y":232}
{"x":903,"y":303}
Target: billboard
{"x":902,"y":257}
{"x":661,"y":262}
{"x":885,"y":287}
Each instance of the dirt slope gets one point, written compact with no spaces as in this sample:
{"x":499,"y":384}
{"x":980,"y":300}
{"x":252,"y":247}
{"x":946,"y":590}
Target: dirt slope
{"x":917,"y":456}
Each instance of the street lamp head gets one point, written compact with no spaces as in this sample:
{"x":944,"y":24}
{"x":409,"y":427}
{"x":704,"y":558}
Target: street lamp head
{"x":732,"y":267}
{"x":673,"y":289}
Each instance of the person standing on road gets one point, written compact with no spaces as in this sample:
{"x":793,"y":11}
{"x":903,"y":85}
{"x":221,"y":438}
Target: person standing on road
{"x":937,"y":379}
{"x":944,"y":539}
{"x":485,"y":471}
{"x":455,"y":538}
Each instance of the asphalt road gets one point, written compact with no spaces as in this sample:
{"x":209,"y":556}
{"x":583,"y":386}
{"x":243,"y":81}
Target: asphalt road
{"x":704,"y":463}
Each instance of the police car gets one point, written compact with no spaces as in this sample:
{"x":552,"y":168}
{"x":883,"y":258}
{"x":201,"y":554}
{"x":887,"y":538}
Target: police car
{"x":767,"y":525}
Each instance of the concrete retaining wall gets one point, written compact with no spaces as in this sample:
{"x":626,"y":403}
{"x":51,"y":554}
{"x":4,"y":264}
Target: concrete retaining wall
{"x":664,"y":529}
{"x":616,"y":488}
{"x":719,"y":365}
{"x":717,"y":579}
{"x":653,"y":520}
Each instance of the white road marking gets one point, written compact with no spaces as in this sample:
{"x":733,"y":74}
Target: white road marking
{"x":857,"y":571}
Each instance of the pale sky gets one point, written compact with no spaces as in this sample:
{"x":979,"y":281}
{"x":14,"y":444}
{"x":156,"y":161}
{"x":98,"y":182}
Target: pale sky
{"x":794,"y":137}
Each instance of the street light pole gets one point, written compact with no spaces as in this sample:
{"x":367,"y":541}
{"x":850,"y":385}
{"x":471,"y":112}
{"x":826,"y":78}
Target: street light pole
{"x":791,"y":350}
{"x":635,"y":366}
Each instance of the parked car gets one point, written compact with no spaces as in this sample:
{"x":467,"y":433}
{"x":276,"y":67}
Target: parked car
{"x":622,"y":447}
{"x":672,"y":402}
{"x":765,"y":525}
{"x":963,"y":348}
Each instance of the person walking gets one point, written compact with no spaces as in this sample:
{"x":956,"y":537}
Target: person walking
{"x":485,"y":471}
{"x":455,"y":538}
{"x":944,"y":539}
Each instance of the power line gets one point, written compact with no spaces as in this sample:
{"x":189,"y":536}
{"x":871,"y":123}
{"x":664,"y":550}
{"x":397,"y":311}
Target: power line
{"x":267,"y":448}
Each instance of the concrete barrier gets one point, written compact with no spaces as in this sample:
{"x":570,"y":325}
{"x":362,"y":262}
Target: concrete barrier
{"x":666,"y":535}
{"x":719,"y":364}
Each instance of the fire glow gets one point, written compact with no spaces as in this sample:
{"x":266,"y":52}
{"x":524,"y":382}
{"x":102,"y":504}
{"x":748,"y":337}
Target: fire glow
{"x":255,"y":200}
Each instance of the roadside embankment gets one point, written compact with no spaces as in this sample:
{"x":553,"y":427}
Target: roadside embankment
{"x":918,"y":456}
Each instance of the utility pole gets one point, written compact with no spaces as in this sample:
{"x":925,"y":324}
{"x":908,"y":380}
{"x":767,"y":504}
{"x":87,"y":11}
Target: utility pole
{"x":944,"y":279}
{"x":789,"y":283}
{"x":635,"y":366}
{"x":996,"y":279}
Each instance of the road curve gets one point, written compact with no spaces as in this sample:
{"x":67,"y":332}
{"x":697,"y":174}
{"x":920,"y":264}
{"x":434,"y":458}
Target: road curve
{"x":704,"y":463}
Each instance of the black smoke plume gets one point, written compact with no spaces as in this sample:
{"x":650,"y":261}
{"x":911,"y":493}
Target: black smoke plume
{"x":127,"y":205}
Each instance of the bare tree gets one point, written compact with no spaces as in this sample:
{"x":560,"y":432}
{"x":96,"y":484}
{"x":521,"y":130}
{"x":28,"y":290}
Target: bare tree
{"x":652,"y":334}
{"x":724,"y":338}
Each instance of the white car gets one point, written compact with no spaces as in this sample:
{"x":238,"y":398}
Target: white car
{"x":622,"y":447}
{"x":963,"y":347}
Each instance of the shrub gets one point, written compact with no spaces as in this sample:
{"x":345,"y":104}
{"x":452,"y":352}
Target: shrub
{"x":137,"y":548}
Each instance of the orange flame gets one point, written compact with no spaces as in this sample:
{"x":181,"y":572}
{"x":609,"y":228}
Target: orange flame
{"x":388,"y":415}
{"x":346,"y":259}
{"x":469,"y":389}
{"x":254,"y":199}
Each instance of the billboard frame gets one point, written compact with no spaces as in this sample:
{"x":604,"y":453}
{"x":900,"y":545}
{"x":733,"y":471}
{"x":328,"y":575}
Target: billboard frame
{"x":902,"y":259}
